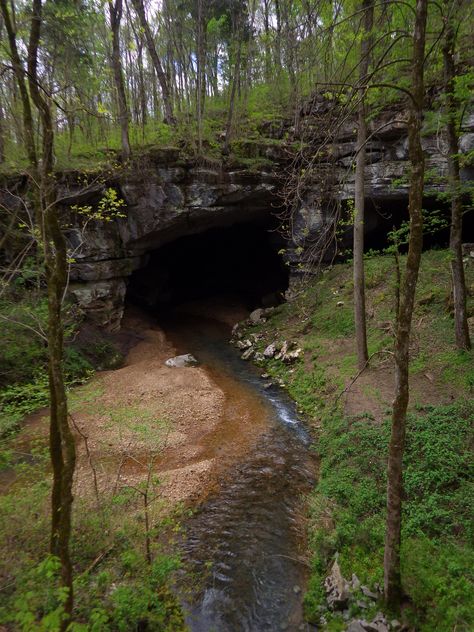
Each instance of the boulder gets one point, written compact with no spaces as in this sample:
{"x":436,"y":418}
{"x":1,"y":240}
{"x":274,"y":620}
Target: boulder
{"x":289,"y":352}
{"x":248,"y":353}
{"x":283,"y":351}
{"x":236,"y":333}
{"x":291,"y":356}
{"x":256,"y":316}
{"x":270,"y":350}
{"x":368,"y":593}
{"x":243,"y":344}
{"x":381,"y":623}
{"x":468,"y":250}
{"x":337,"y":589}
{"x":355,"y":582}
{"x":378,"y":624}
{"x":181,"y":361}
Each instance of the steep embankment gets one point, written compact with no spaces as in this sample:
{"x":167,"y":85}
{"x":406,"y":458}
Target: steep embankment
{"x":349,"y":412}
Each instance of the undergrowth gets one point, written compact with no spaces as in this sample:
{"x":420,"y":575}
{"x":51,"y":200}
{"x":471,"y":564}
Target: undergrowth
{"x":24,"y":357}
{"x":117,"y":588}
{"x":347,"y":511}
{"x":347,"y":507}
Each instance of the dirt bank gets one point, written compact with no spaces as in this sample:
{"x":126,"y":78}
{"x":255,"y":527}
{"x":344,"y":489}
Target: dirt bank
{"x":186,"y":425}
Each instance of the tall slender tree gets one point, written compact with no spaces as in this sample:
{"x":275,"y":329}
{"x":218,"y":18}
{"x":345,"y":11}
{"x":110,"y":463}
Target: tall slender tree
{"x":235,"y":82}
{"x":392,"y":575}
{"x":42,"y":183}
{"x":115,"y":12}
{"x":162,"y":79}
{"x":451,"y":13}
{"x":200,"y":68}
{"x":367,"y":8}
{"x":28,"y":125}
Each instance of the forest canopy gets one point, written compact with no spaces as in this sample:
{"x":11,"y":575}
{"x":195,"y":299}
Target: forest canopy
{"x":198,"y":73}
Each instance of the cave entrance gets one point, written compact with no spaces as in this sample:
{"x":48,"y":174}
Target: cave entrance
{"x":240,"y":260}
{"x":384,"y":215}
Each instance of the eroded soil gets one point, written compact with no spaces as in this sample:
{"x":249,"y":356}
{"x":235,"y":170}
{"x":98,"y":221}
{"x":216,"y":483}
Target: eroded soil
{"x":186,"y":424}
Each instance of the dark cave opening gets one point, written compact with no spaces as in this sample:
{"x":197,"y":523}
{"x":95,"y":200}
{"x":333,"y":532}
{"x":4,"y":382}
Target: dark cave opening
{"x":240,"y":260}
{"x":382,"y":216}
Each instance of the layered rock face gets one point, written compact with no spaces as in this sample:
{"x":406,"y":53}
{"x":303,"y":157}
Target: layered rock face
{"x":165,"y":201}
{"x":386,"y":174}
{"x":167,"y":198}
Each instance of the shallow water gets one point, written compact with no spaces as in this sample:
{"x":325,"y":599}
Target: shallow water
{"x":244,"y":546}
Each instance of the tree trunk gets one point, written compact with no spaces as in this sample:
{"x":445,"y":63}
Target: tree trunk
{"x":115,"y":11}
{"x":138,"y":37}
{"x":201,"y":71}
{"x":457,"y":266}
{"x":278,"y":36}
{"x":28,"y":126}
{"x":392,"y":577}
{"x":2,"y":134}
{"x":359,"y":210}
{"x":165,"y":91}
{"x":235,"y":81}
{"x":143,"y":99}
{"x":267,"y":53}
{"x":63,"y":451}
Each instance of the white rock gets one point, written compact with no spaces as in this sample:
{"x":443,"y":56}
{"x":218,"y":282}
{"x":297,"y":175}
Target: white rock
{"x":243,"y":344}
{"x":282,"y":352}
{"x":181,"y":361}
{"x":270,"y":350}
{"x":291,"y":356}
{"x":247,"y":354}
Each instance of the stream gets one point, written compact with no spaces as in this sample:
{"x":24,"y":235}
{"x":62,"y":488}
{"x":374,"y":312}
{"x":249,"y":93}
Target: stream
{"x":244,"y":545}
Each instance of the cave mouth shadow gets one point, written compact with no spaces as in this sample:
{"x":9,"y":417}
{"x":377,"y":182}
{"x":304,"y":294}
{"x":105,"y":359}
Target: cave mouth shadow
{"x":241,"y":261}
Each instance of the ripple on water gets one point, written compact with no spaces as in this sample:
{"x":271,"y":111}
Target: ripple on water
{"x":244,"y":545}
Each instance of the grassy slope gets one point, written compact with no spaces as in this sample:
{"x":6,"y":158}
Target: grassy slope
{"x":265,"y":104}
{"x":347,"y":507}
